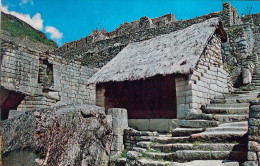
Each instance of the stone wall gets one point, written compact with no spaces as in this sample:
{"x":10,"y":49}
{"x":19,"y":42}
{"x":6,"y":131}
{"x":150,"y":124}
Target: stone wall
{"x":209,"y":79}
{"x":70,"y":80}
{"x":253,"y":155}
{"x":237,"y":54}
{"x":230,"y":15}
{"x":19,"y":70}
{"x":43,"y":78}
{"x":132,"y":137}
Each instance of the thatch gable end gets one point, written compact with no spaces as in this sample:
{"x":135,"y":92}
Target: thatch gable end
{"x":177,"y":52}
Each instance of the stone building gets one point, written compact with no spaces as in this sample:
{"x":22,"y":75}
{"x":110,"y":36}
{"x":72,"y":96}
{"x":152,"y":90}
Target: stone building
{"x":167,"y":77}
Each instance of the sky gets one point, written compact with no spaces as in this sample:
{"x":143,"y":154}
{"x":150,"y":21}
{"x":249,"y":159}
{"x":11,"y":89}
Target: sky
{"x":69,"y":20}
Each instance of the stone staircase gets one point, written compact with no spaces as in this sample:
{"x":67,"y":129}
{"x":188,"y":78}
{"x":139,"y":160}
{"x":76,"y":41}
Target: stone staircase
{"x":221,"y":138}
{"x":256,"y":52}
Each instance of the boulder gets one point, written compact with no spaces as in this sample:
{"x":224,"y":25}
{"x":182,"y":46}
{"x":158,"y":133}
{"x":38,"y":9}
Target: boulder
{"x":61,"y":135}
{"x":246,"y":76}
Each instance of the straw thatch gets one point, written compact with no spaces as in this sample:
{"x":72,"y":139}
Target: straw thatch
{"x":176,"y":52}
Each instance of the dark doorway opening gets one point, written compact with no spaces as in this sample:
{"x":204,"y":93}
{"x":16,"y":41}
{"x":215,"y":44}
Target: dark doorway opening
{"x":153,"y":98}
{"x":9,"y":101}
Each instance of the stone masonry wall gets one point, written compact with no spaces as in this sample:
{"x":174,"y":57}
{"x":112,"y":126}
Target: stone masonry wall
{"x":44,"y":78}
{"x":253,"y":155}
{"x":70,"y":80}
{"x":19,"y":70}
{"x":209,"y":79}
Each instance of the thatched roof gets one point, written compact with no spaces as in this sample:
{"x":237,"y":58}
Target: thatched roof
{"x":176,"y":52}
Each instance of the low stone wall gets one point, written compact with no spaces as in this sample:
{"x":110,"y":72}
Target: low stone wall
{"x":209,"y":79}
{"x":253,"y":155}
{"x":132,"y":137}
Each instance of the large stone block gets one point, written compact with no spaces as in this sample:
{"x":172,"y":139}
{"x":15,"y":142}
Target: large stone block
{"x":246,"y":76}
{"x":255,"y":108}
{"x":120,"y":120}
{"x":250,"y":163}
{"x":251,"y":156}
{"x":253,"y":146}
{"x":254,"y":122}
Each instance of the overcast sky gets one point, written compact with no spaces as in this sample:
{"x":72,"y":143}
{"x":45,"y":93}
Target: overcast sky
{"x":68,"y":20}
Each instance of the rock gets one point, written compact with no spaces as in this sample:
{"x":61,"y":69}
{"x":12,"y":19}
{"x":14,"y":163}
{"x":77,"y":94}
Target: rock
{"x":14,"y":113}
{"x":255,"y":102}
{"x":62,"y":135}
{"x":251,"y":156}
{"x":132,"y":155}
{"x":250,"y":163}
{"x":255,"y":108}
{"x":246,"y":76}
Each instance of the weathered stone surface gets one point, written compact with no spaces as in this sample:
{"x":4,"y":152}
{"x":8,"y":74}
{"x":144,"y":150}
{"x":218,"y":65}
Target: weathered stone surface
{"x":251,"y":156}
{"x":246,"y":76}
{"x":197,"y":123}
{"x":64,"y":135}
{"x":250,"y":163}
{"x":14,"y":113}
{"x":255,"y":108}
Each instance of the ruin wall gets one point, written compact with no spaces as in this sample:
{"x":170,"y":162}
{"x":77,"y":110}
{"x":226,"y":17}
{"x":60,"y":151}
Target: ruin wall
{"x":208,"y":80}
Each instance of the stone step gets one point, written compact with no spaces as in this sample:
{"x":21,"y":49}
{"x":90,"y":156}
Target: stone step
{"x":148,"y":138}
{"x":223,"y":101}
{"x":219,"y":147}
{"x":220,"y":136}
{"x":199,"y":146}
{"x":169,"y":140}
{"x":172,"y":147}
{"x":240,"y":92}
{"x":140,"y":150}
{"x":144,"y":144}
{"x":198,"y":123}
{"x":179,"y":132}
{"x":150,"y":162}
{"x":235,"y":124}
{"x":226,"y":110}
{"x":239,"y":128}
{"x":229,"y":105}
{"x":161,"y":156}
{"x":233,"y":99}
{"x":231,"y":118}
{"x":188,"y":155}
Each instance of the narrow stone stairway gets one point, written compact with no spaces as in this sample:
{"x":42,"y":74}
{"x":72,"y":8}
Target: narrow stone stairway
{"x":256,"y":52}
{"x":220,"y":137}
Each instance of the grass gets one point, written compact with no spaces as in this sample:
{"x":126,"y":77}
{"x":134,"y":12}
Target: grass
{"x":124,"y":153}
{"x":195,"y":144}
{"x":20,"y":29}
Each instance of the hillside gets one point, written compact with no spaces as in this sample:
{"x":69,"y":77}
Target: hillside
{"x":19,"y":29}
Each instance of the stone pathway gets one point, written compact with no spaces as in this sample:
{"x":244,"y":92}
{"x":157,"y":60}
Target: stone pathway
{"x":221,"y":139}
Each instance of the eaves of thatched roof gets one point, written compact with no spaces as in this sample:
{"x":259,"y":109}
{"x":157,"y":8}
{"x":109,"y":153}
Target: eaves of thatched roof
{"x":177,"y":52}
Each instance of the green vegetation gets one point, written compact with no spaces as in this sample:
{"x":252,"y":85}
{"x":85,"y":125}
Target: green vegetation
{"x":124,"y":153}
{"x":18,"y":28}
{"x":195,"y":144}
